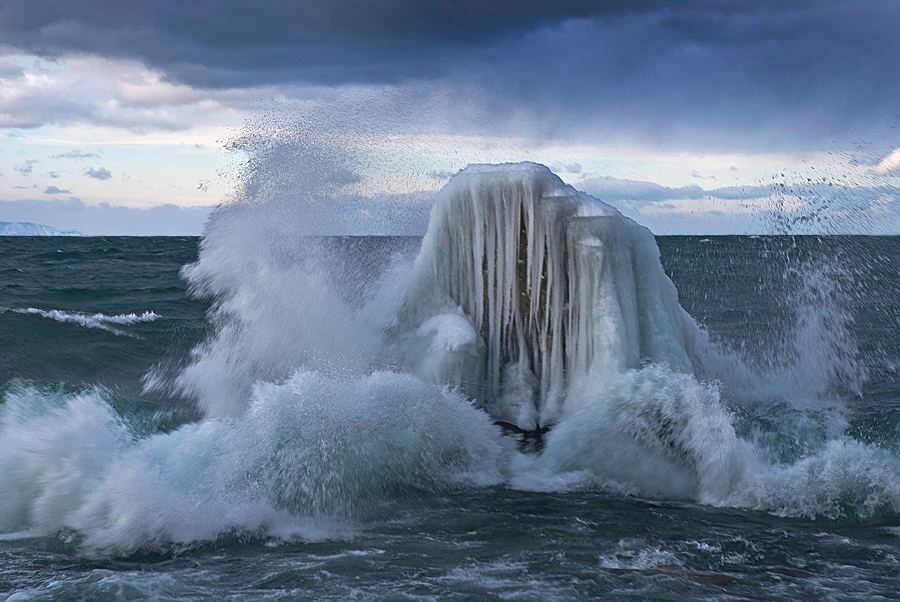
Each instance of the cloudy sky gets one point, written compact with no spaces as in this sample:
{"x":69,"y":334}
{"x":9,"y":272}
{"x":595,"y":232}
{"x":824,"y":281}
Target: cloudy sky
{"x":119,"y":116}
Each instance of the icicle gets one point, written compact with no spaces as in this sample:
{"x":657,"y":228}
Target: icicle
{"x":556,"y":286}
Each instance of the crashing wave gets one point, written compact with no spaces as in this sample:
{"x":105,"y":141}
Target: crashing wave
{"x":308,"y":457}
{"x":327,"y":392}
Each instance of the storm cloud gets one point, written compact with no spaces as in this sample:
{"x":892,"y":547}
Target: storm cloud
{"x":697,"y":74}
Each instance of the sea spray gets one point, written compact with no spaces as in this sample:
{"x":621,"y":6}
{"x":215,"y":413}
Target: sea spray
{"x":657,"y":433}
{"x":339,"y":381}
{"x":806,"y":351}
{"x":653,"y":431}
{"x":308,"y":458}
{"x":544,"y":307}
{"x":273,"y":314}
{"x":283,"y":299}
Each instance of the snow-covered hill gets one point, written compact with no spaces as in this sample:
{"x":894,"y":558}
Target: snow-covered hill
{"x":32,"y":229}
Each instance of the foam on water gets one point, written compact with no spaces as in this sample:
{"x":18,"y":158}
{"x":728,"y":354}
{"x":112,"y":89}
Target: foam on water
{"x":97,"y":320}
{"x":329,"y":392}
{"x":307,"y":458}
{"x":653,"y":432}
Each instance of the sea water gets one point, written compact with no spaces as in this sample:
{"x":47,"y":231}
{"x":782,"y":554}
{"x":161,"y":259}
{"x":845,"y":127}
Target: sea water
{"x":264,"y":434}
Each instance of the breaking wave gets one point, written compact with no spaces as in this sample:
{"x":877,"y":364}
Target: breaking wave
{"x":340,"y":378}
{"x":308,"y":458}
{"x":98,"y":321}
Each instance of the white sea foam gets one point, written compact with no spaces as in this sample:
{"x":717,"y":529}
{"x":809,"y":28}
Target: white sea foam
{"x":97,"y":320}
{"x":308,"y":458}
{"x":632,"y":554}
{"x":328,"y":391}
{"x":654,"y":432}
{"x":545,"y":307}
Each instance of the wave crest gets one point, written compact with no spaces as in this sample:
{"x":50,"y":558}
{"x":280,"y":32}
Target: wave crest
{"x":97,"y":320}
{"x":308,"y":456}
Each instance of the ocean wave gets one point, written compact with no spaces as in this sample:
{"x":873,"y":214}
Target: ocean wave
{"x":323,"y":408}
{"x":666,"y":435}
{"x":315,"y":457}
{"x":309,"y":458}
{"x":98,"y":320}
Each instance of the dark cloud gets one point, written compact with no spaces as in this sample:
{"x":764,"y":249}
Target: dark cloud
{"x":786,"y":77}
{"x":700,"y":73}
{"x":101,"y":173}
{"x":329,"y":41}
{"x":75,"y":154}
{"x":56,"y":190}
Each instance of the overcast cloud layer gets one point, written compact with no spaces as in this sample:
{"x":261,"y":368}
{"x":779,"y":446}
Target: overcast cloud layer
{"x":746,"y":73}
{"x":764,"y":78}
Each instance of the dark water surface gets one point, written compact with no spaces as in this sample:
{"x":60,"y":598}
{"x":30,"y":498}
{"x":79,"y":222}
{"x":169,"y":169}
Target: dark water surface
{"x":490,"y":543}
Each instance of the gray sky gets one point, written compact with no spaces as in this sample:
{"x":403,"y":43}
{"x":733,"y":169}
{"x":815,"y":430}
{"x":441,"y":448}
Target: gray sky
{"x":693,"y":116}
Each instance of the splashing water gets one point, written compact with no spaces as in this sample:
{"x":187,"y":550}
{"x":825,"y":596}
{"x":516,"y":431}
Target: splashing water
{"x":328,"y":392}
{"x":307,"y":456}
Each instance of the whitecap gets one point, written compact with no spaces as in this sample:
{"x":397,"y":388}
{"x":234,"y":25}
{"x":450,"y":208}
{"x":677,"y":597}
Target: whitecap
{"x":98,"y":320}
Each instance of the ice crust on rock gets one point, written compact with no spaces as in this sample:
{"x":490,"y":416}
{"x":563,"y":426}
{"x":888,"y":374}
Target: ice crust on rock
{"x":558,"y":287}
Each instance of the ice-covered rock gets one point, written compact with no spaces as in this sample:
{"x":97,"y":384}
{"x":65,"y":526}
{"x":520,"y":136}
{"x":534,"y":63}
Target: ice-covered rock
{"x":555,"y":285}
